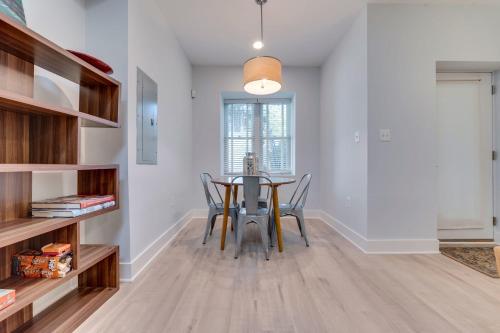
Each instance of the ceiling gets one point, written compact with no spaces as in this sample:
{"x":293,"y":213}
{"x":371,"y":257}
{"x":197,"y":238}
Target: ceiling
{"x":299,"y":32}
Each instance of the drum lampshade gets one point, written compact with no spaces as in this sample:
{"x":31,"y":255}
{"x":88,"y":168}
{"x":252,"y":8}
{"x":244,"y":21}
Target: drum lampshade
{"x":262,"y":75}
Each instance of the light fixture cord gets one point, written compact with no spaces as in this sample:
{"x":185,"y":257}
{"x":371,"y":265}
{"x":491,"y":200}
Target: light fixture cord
{"x":261,"y":22}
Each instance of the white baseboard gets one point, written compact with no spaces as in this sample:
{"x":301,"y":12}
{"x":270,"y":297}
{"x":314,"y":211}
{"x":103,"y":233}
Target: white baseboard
{"x":130,"y":270}
{"x":351,"y":235}
{"x":403,"y":246}
{"x":381,"y":246}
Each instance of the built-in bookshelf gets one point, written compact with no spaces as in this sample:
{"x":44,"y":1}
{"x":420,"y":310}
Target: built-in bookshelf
{"x":36,"y":136}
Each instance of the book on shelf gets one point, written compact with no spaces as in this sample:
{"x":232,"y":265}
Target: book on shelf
{"x":70,"y":212}
{"x":7,"y":297}
{"x":56,"y":249}
{"x":73,"y":202}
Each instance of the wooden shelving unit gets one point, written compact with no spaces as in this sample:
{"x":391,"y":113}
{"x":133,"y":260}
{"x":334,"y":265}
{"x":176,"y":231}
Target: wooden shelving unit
{"x":15,"y":231}
{"x":18,"y":103}
{"x":53,"y":167}
{"x":36,"y":136}
{"x":29,"y":289}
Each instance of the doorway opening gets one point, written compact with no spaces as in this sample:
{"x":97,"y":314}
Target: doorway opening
{"x":465,"y":156}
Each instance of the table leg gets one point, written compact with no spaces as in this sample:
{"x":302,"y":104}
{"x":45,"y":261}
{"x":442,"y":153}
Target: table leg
{"x":227,"y":198}
{"x":277,"y":220}
{"x":235,"y":202}
{"x":235,"y":194}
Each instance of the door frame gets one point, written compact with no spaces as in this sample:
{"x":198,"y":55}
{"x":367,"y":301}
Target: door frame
{"x":472,"y":76}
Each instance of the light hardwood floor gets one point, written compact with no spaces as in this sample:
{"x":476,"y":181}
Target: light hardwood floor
{"x":329,"y":287}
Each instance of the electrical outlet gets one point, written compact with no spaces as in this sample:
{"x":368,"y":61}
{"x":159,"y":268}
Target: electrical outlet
{"x":385,"y":135}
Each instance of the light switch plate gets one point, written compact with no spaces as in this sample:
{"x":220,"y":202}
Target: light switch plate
{"x":348,"y":201}
{"x":356,"y":137}
{"x":385,"y":135}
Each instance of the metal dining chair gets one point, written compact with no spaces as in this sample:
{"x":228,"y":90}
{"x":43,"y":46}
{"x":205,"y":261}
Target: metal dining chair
{"x":263,"y":199}
{"x":295,"y":207}
{"x":252,"y":213}
{"x":215,"y":208}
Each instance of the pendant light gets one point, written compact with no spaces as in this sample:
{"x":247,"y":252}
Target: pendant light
{"x":262,"y":74}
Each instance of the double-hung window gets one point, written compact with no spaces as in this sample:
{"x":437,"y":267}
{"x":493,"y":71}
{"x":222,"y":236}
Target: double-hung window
{"x":263,"y":126}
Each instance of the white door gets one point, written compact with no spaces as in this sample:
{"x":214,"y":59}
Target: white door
{"x":465,"y":164}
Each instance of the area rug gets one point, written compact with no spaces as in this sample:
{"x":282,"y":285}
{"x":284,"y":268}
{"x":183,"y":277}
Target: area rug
{"x":482,"y":259}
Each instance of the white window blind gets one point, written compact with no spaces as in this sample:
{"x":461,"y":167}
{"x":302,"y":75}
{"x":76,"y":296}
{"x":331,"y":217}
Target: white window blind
{"x":260,"y":126}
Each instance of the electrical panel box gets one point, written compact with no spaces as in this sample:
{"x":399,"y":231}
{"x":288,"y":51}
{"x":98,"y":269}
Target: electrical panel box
{"x":147,"y":119}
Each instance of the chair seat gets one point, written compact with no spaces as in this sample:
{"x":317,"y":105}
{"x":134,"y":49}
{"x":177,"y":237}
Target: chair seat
{"x":287,"y":209}
{"x":285,"y":206}
{"x":220,"y":205}
{"x":260,"y":212}
{"x":262,"y":203}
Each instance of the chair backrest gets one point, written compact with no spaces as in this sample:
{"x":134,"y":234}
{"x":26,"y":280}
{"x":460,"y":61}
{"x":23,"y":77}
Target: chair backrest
{"x":251,"y":191}
{"x":299,"y":197}
{"x":267,"y":188}
{"x":206,"y":180}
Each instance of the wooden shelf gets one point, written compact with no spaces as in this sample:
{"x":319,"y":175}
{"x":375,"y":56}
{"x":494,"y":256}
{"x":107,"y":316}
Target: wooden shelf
{"x":28,"y":290}
{"x":13,"y":102}
{"x":20,"y":229}
{"x":54,"y":167}
{"x":37,"y":136}
{"x":31,"y":47}
{"x":70,"y":311}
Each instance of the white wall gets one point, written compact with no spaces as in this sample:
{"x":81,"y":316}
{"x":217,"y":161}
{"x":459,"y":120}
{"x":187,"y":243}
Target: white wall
{"x":159,"y":195}
{"x":153,"y":197}
{"x":210,"y":81}
{"x":404,"y":43}
{"x":344,"y":112}
{"x":106,"y":38}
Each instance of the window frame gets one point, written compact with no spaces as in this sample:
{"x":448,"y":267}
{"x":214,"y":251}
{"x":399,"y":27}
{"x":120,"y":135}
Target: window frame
{"x":259,"y":101}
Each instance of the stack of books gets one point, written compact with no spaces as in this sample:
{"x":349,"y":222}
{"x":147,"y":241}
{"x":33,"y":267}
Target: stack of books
{"x":54,"y":261}
{"x":71,"y":206}
{"x":7,"y":297}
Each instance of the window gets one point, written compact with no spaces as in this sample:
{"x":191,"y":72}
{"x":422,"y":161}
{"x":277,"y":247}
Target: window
{"x":262,"y":126}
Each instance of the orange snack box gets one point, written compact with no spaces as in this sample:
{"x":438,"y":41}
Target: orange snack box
{"x":7,"y":297}
{"x":34,"y":264}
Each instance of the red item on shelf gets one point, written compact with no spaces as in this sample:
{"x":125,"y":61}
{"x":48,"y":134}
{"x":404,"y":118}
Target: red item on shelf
{"x":7,"y":297}
{"x":73,"y":202}
{"x":56,"y":249}
{"x":97,"y":63}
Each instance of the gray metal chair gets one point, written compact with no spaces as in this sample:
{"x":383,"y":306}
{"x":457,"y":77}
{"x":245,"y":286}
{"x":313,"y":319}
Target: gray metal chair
{"x":215,"y":208}
{"x":295,"y":207}
{"x":263,"y":199}
{"x":252,"y":213}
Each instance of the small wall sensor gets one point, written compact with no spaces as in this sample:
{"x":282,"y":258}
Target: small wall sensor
{"x":385,"y":135}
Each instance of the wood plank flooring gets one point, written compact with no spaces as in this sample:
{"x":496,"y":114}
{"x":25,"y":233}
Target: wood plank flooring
{"x":329,"y":287}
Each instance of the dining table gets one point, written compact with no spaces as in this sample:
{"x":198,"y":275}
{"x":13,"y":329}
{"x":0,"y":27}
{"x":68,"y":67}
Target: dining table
{"x":227,"y":182}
